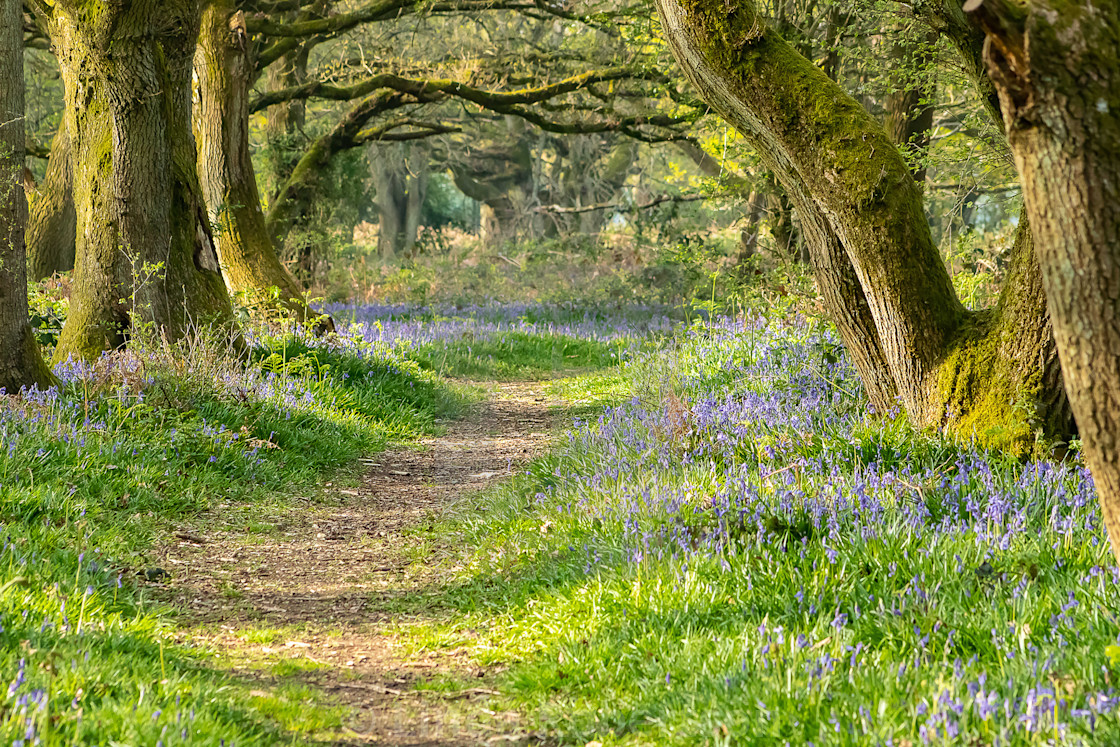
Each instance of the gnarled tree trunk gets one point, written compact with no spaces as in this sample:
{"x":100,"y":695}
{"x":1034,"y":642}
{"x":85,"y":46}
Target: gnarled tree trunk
{"x":500,"y":176}
{"x":21,"y":363}
{"x":991,"y":375}
{"x":145,"y":255}
{"x":246,"y":253}
{"x":52,"y":224}
{"x":1056,"y":68}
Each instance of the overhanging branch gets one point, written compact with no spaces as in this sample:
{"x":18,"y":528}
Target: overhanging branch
{"x":660,"y":200}
{"x":421,"y":87}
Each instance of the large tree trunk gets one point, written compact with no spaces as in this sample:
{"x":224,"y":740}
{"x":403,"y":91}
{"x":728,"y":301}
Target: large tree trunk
{"x":1057,"y":71}
{"x":146,"y":258}
{"x":246,"y":253}
{"x":52,"y":225}
{"x":145,"y":255}
{"x":852,"y":188}
{"x":21,"y":363}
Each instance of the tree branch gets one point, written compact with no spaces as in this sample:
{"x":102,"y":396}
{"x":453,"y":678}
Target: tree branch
{"x":382,"y":10}
{"x":660,"y":200}
{"x":418,"y":87}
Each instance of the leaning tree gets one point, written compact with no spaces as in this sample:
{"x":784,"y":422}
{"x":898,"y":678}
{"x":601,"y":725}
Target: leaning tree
{"x":1056,"y":70}
{"x":21,"y":364}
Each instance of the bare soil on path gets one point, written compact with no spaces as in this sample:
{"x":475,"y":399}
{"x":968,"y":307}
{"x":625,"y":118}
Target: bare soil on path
{"x":322,"y":592}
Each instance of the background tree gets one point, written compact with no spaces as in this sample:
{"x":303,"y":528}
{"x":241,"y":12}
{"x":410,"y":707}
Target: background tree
{"x":52,"y":224}
{"x":21,"y":364}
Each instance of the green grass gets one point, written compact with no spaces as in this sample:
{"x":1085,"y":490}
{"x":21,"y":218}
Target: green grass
{"x":91,"y":478}
{"x":515,"y":356}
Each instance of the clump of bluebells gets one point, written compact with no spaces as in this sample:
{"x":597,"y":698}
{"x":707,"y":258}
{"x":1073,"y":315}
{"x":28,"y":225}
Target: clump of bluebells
{"x":423,"y":324}
{"x":755,"y":556}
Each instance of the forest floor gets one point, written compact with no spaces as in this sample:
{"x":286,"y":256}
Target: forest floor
{"x":682,"y":535}
{"x":310,"y":601}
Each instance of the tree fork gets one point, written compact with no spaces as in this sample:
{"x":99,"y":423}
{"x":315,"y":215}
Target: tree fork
{"x":848,"y":181}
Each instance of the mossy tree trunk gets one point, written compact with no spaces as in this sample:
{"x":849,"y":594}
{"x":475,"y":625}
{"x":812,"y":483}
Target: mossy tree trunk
{"x":246,"y":253}
{"x":499,"y":174}
{"x":991,"y":374}
{"x":145,"y":254}
{"x":21,"y":363}
{"x":52,"y":224}
{"x":1056,"y":67}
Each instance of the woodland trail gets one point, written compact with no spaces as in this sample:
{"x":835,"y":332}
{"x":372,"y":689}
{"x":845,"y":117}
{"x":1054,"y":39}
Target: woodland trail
{"x":318,"y":594}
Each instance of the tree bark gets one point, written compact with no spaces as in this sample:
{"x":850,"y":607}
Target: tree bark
{"x":500,"y":176}
{"x":52,"y":226}
{"x":748,"y":236}
{"x":246,"y":254}
{"x":1057,"y":71}
{"x":145,"y":259}
{"x":21,"y":363}
{"x":850,"y":186}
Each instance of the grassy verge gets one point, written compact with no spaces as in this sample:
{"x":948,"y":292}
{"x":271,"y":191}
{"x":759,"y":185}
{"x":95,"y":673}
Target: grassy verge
{"x":741,"y":553}
{"x":92,"y":471}
{"x":511,"y":341}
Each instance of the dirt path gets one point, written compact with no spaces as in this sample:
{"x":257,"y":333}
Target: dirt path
{"x":318,"y":594}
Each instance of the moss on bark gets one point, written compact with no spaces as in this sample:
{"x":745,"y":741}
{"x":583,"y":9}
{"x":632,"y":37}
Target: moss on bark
{"x":145,"y":257}
{"x":247,"y":256}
